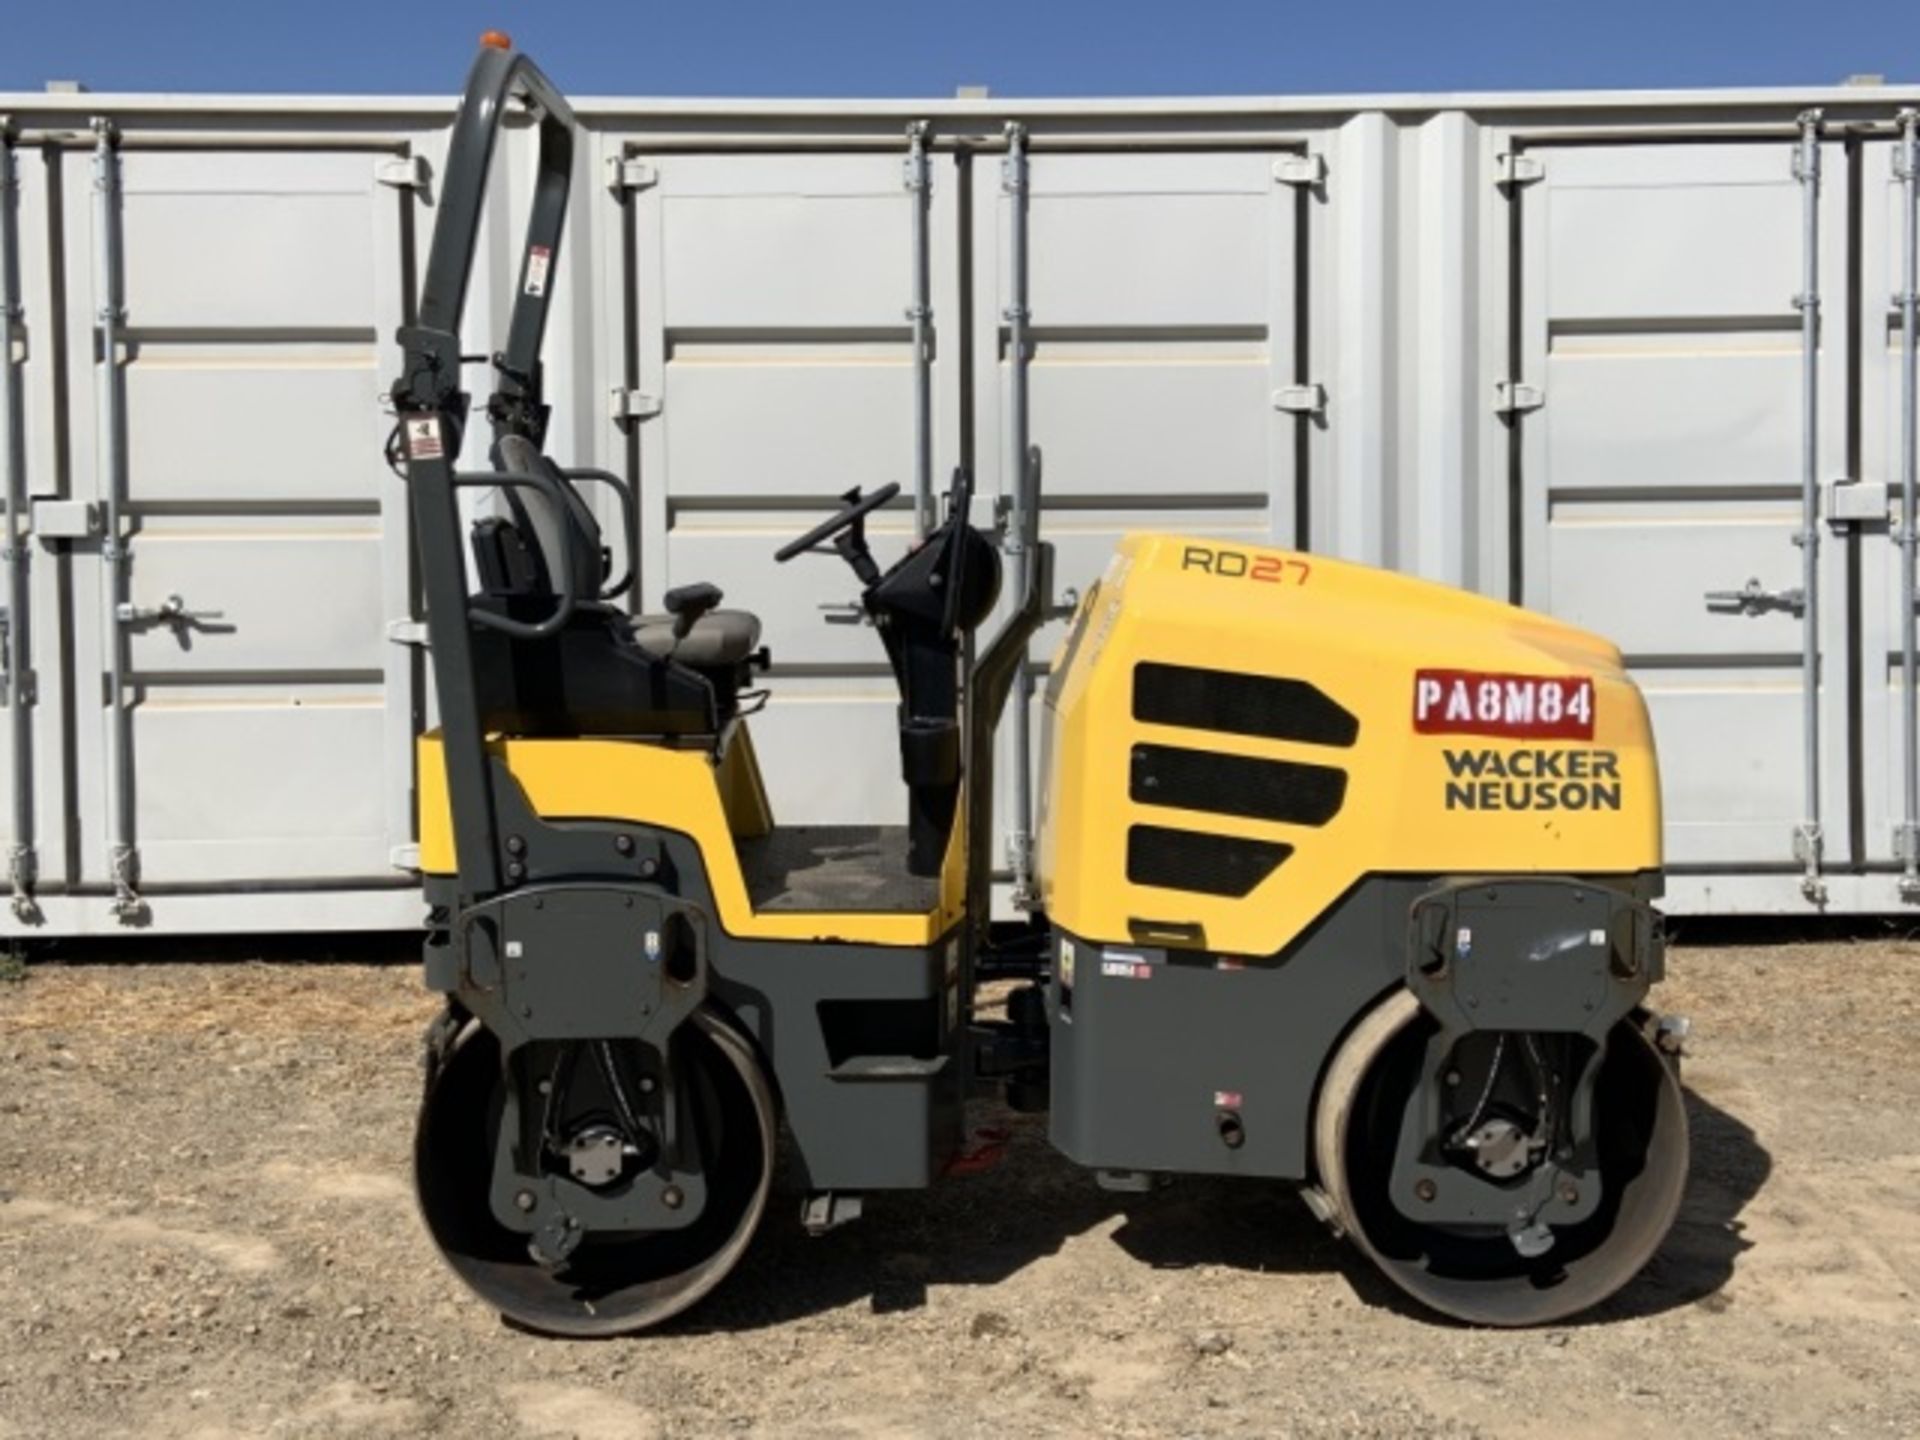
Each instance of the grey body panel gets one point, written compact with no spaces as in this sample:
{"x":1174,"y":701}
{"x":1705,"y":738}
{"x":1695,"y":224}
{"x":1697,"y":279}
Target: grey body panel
{"x":1140,"y":1062}
{"x":821,"y":1014}
{"x":1149,"y":1046}
{"x":855,"y":1126}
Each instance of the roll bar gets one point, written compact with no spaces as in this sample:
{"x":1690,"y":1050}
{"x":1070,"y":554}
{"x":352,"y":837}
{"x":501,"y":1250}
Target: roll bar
{"x":432,"y":410}
{"x":431,"y":377}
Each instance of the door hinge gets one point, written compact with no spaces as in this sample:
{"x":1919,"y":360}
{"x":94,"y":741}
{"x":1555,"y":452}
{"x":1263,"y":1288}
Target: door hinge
{"x":404,"y":857}
{"x":1308,"y":169}
{"x":404,"y":172}
{"x":9,"y":682}
{"x":66,"y":519}
{"x":625,"y":404}
{"x":1511,"y":397}
{"x":1516,"y":169}
{"x":625,"y":174}
{"x":1858,"y":502}
{"x":1309,"y":399}
{"x":406,"y":632}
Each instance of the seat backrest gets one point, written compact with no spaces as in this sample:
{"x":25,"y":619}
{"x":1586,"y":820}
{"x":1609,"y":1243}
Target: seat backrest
{"x":554,"y":535}
{"x":506,"y":560}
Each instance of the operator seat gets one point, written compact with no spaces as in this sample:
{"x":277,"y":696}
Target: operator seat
{"x":604,"y":672}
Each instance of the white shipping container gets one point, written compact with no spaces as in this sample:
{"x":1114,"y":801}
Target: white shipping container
{"x":1547,"y":347}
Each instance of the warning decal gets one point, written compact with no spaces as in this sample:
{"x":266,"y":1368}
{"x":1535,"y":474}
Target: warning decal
{"x":423,"y":439}
{"x":1529,"y":707}
{"x":539,"y":261}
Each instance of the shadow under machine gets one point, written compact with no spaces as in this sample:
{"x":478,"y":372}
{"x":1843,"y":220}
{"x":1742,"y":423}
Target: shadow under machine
{"x":1345,"y":881}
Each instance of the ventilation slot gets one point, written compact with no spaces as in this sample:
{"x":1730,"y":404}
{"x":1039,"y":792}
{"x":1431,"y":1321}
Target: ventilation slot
{"x":1205,"y":864}
{"x":1258,"y":789}
{"x":1257,"y":705}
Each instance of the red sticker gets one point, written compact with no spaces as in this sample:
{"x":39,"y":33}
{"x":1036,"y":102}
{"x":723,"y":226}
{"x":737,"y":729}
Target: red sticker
{"x":1528,"y":707}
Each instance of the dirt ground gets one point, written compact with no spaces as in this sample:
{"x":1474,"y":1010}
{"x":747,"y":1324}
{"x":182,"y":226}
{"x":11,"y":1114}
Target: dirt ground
{"x":206,"y":1230}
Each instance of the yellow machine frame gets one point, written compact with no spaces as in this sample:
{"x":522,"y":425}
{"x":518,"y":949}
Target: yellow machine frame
{"x":712,"y":799}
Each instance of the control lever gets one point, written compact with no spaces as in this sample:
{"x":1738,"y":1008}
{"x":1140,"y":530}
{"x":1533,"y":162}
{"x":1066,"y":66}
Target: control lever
{"x":688,"y":603}
{"x":844,"y":612}
{"x":1755,"y":599}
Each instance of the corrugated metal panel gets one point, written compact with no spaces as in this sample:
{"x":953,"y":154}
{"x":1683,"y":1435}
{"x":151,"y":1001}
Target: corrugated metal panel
{"x":756,"y":284}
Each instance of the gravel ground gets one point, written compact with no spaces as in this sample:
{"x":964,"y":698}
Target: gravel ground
{"x":206,"y":1230}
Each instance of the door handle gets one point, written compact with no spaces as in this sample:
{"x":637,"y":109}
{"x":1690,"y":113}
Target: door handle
{"x":170,"y":611}
{"x":1753,"y":598}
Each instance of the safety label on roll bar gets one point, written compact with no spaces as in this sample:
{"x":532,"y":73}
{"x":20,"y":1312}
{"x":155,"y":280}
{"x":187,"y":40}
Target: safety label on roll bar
{"x":423,"y":438}
{"x":539,"y":261}
{"x":1529,"y":707}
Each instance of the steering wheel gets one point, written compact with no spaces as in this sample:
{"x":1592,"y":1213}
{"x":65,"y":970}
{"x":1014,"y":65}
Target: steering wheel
{"x":856,"y":511}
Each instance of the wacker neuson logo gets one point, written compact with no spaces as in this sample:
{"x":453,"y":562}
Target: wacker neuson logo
{"x":1533,"y":779}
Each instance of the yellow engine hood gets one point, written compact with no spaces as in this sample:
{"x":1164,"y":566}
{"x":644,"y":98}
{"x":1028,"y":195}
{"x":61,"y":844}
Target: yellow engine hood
{"x":1552,"y":770}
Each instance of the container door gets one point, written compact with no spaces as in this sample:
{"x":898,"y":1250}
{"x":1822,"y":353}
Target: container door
{"x":1162,"y":294}
{"x":271,"y":718}
{"x":1659,"y":327}
{"x":769,"y":298}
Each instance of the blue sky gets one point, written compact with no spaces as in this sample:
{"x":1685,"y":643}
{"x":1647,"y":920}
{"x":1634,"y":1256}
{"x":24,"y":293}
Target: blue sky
{"x":898,"y":47}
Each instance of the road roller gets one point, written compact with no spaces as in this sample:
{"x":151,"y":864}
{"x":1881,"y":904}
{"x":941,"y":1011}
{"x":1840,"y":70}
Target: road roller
{"x":1345,"y":880}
